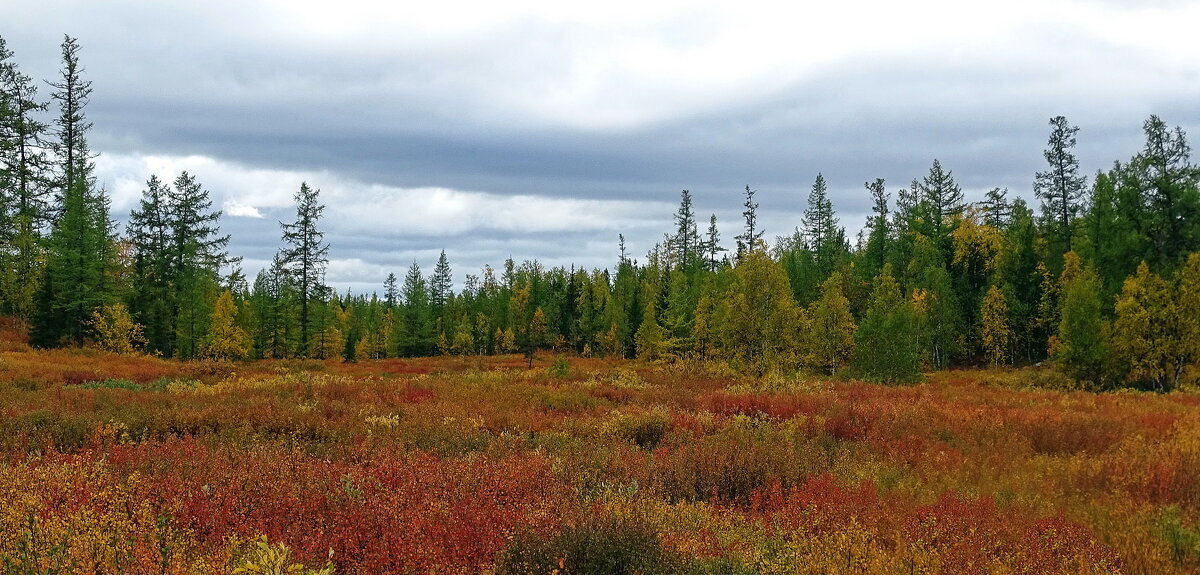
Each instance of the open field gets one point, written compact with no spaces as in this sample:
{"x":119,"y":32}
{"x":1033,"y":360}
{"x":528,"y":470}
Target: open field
{"x":118,"y":464}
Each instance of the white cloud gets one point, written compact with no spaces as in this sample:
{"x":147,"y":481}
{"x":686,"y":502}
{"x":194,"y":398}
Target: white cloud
{"x":237,"y":209}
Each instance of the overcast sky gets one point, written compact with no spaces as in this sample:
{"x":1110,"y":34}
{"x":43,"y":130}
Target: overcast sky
{"x":542,"y":130}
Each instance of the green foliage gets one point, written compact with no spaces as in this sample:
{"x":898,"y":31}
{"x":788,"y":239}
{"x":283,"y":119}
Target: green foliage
{"x":885,"y":344}
{"x":1081,"y":347}
{"x":305,"y":255}
{"x":829,"y":328}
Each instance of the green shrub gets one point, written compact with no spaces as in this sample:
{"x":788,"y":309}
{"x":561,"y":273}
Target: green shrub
{"x":600,"y":546}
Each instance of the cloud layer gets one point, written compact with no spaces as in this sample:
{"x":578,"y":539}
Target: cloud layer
{"x":539,"y":129}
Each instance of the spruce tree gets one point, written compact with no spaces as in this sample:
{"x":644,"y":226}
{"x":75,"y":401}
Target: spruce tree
{"x":440,"y":283}
{"x":305,"y":255}
{"x":24,"y":210}
{"x":825,"y":239}
{"x":712,"y":244}
{"x":417,"y":315}
{"x":940,"y":204}
{"x":81,"y":252}
{"x":878,"y":240}
{"x":1172,"y":190}
{"x":748,"y":240}
{"x":1061,"y":188}
{"x":685,"y":244}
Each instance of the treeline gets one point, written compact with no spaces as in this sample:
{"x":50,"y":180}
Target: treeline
{"x":1099,"y":276}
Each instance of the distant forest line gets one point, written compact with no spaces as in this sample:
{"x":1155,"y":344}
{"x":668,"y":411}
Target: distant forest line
{"x":1100,"y":277}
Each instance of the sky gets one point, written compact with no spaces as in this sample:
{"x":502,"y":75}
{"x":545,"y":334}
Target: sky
{"x":543,"y":129}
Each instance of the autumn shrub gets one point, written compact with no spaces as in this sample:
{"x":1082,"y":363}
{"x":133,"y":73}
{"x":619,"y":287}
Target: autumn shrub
{"x":742,"y":457}
{"x":599,"y":545}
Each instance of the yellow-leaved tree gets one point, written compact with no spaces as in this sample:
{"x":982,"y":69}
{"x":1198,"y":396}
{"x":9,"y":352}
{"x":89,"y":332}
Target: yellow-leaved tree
{"x":116,"y":331}
{"x":1187,"y":306}
{"x":1145,"y":333}
{"x":830,"y":333}
{"x":225,"y":340}
{"x":995,"y":333}
{"x":652,"y":340}
{"x":757,"y":322}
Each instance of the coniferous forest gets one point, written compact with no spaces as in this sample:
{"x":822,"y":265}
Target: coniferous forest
{"x":967,"y":385}
{"x":1094,"y":275}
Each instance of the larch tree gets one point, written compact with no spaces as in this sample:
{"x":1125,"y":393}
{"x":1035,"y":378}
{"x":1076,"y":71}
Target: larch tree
{"x":115,"y":331}
{"x":305,"y":255}
{"x":1187,"y":310}
{"x":1145,"y":333}
{"x":757,"y":324}
{"x":225,"y":340}
{"x":995,"y":333}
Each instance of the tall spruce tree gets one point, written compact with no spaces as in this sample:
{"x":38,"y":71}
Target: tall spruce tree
{"x":1171,"y":188}
{"x":825,"y":239}
{"x":196,"y":254}
{"x":712,"y":245}
{"x":305,"y":255}
{"x":24,"y":211}
{"x":1061,"y":187}
{"x":685,"y":243}
{"x":150,"y":236}
{"x":878,"y":240}
{"x":440,"y":283}
{"x":940,"y":204}
{"x":751,"y":234}
{"x":81,"y":251}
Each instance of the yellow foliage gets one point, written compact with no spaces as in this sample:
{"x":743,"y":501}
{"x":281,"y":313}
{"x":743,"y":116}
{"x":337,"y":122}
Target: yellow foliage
{"x":116,"y":331}
{"x":265,"y":559}
{"x":226,"y":341}
{"x":996,"y":334}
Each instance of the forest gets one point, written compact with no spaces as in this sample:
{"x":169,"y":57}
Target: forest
{"x":961,"y":387}
{"x":1096,"y":276}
